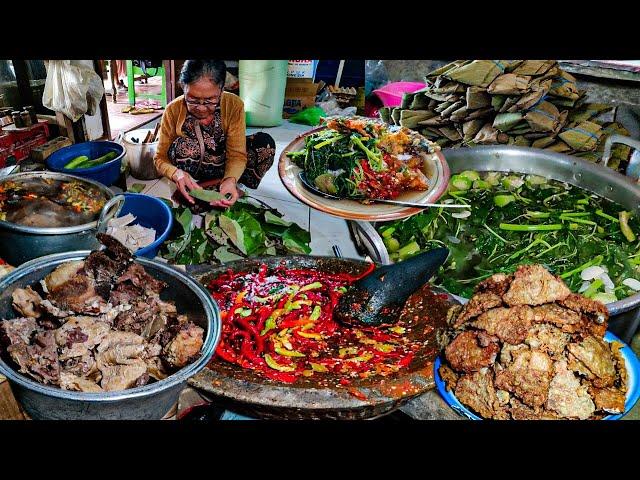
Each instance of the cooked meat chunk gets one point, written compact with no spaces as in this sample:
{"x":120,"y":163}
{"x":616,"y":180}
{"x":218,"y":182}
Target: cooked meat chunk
{"x":568,"y":320}
{"x":121,"y":377}
{"x":103,"y":270}
{"x":55,"y":311}
{"x":62,"y":274}
{"x":137,"y":275}
{"x":567,"y":396}
{"x":466,"y":354}
{"x":77,"y":294}
{"x":528,"y":377}
{"x":508,"y":324}
{"x":39,"y":360}
{"x":115,"y":337}
{"x":121,"y":354}
{"x":79,"y":335}
{"x":155,"y":368}
{"x":477,"y":391}
{"x":610,"y":400}
{"x":595,"y":311}
{"x":27,"y":302}
{"x":449,"y":377}
{"x":84,"y":366}
{"x":497,"y":284}
{"x":185,"y":346}
{"x":478,"y":304}
{"x":534,"y":285}
{"x":68,"y":381}
{"x":115,"y":250}
{"x":596,"y":356}
{"x":547,"y":338}
{"x":18,"y":330}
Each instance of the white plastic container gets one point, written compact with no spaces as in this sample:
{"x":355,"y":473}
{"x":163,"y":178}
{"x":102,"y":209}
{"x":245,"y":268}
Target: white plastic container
{"x":140,"y":155}
{"x":262,"y":86}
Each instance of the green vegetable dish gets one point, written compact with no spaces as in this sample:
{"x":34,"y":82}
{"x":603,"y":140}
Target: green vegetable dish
{"x":515,"y":219}
{"x":243,"y":230}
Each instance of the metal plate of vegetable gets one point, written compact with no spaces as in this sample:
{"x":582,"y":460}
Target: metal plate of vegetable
{"x":600,"y":242}
{"x":360,"y":159}
{"x":516,"y":219}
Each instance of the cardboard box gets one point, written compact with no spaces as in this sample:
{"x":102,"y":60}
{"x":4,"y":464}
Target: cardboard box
{"x":301,"y":68}
{"x":299,"y":94}
{"x":42,"y":152}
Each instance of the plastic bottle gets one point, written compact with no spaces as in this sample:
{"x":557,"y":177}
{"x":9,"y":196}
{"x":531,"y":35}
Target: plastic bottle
{"x":262,"y":86}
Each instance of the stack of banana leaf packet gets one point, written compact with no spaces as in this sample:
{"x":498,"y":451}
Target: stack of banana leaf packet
{"x":532,"y":103}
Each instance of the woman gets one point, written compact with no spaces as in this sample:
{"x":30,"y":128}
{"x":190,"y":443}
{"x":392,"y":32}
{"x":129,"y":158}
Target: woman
{"x":202,"y":137}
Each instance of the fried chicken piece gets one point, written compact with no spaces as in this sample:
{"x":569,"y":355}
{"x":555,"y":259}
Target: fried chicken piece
{"x":185,"y":346}
{"x":68,"y":381}
{"x":449,"y":377}
{"x":568,"y":320}
{"x":596,"y":312}
{"x":497,"y":284}
{"x":479,"y":303}
{"x":547,"y":338}
{"x":567,"y":396}
{"x":27,"y":302}
{"x":520,"y":411}
{"x":470,"y":351}
{"x":621,"y":366}
{"x":528,"y":377}
{"x":534,"y":285}
{"x":508,"y":324}
{"x":477,"y":391}
{"x":595,"y":355}
{"x":508,"y":353}
{"x":610,"y":400}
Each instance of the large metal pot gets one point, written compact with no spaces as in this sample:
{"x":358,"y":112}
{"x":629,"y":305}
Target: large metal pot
{"x":149,"y":402}
{"x":557,"y":166}
{"x":19,"y":243}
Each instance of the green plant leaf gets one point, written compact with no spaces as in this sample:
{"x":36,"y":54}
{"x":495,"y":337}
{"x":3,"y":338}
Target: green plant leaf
{"x":296,"y":240}
{"x":272,"y":218}
{"x":206,"y":195}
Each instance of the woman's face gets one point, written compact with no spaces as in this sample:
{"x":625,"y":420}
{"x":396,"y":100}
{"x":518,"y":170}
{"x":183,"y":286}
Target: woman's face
{"x":202,"y":97}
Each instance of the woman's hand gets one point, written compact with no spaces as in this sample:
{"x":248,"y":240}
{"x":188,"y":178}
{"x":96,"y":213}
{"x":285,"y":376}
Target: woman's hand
{"x":185,"y":184}
{"x":229,"y":190}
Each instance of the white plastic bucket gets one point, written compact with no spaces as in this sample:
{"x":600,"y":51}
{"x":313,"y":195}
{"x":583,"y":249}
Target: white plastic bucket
{"x":140,"y":155}
{"x":262,"y":86}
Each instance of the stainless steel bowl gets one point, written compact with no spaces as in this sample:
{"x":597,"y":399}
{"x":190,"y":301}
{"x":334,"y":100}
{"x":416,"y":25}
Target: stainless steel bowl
{"x":19,"y":243}
{"x":590,"y":176}
{"x":151,"y":401}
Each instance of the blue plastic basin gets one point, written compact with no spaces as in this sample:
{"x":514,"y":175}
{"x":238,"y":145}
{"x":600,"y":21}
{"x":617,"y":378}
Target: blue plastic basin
{"x":150,"y":212}
{"x":107,"y":173}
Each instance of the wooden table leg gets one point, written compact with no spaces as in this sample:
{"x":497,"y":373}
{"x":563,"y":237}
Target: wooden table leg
{"x":113,"y":72}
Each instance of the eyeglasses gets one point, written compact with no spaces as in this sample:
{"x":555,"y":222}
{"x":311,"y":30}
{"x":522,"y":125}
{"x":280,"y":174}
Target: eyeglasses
{"x":205,"y":103}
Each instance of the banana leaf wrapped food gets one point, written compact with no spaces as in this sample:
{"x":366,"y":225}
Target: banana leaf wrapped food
{"x":516,"y":102}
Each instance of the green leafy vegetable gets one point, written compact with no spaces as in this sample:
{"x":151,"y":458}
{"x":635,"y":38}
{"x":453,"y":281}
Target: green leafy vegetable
{"x":206,"y":195}
{"x":136,"y":187}
{"x":297,"y":240}
{"x":274,"y":219}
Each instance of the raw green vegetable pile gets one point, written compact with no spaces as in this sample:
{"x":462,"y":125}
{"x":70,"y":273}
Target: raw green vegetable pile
{"x":243,"y":230}
{"x":515,"y":219}
{"x":85,"y":162}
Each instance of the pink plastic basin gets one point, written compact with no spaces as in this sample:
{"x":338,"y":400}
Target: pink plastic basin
{"x":391,"y":94}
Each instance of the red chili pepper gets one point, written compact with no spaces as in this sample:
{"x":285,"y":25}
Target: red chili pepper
{"x":406,"y":360}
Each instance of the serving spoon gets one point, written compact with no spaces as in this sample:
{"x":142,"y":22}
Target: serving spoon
{"x":379,"y":297}
{"x":309,"y":186}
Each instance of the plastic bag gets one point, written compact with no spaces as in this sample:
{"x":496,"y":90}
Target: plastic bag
{"x":332,"y":108}
{"x":308,"y":116}
{"x":72,"y":89}
{"x":375,"y":74}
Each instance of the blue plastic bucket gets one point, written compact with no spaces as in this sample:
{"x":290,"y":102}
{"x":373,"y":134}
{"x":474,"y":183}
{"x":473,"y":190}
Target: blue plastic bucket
{"x":107,"y":173}
{"x":150,"y":212}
